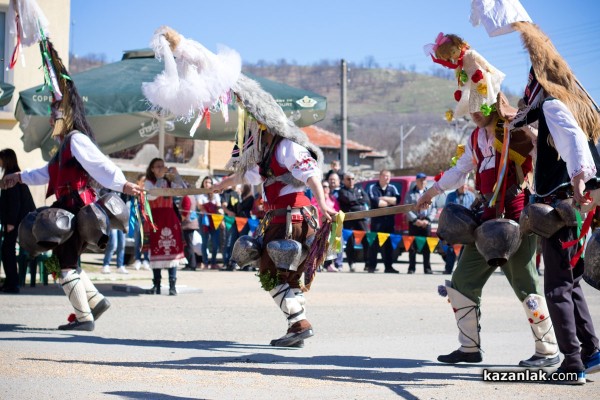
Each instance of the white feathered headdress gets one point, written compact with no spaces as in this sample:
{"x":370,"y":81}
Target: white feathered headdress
{"x":27,"y":23}
{"x":194,"y":80}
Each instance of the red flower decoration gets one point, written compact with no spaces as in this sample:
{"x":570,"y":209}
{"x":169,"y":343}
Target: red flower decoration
{"x":530,"y":321}
{"x":438,"y":176}
{"x":457,"y":95}
{"x":477,"y":76}
{"x":71,"y":318}
{"x":542,"y":316}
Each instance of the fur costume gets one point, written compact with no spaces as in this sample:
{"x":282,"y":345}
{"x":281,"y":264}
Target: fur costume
{"x":557,"y":80}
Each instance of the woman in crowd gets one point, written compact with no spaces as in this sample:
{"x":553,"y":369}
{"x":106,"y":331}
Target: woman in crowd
{"x":209,"y":204}
{"x":15,"y":203}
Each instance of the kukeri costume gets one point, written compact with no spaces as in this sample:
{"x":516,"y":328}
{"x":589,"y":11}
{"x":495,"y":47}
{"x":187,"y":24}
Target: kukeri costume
{"x":485,"y":154}
{"x":74,"y":221}
{"x":269,"y":149}
{"x":565,"y":151}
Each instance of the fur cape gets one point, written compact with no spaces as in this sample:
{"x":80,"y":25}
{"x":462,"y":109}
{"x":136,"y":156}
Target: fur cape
{"x":555,"y":76}
{"x":264,"y":109}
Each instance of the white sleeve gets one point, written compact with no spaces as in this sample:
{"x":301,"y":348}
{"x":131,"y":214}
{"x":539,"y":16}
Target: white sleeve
{"x":297,"y":160}
{"x":571,"y":142}
{"x":149,"y":185}
{"x":100,"y":167}
{"x":38,"y":176}
{"x":456,"y":176}
{"x":252,"y":176}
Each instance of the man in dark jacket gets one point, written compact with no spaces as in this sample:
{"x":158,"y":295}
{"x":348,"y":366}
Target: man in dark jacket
{"x":351,"y":198}
{"x":382,"y":194}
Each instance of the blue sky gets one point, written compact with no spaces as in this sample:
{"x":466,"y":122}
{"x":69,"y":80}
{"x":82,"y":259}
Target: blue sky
{"x":393,"y":32}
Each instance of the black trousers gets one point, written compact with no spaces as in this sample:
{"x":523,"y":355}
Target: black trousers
{"x":412,"y":251}
{"x":358,"y":225}
{"x":568,"y":309}
{"x":9,"y":258}
{"x":188,"y":250}
{"x":387,"y":251}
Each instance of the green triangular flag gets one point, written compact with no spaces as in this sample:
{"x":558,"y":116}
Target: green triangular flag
{"x":420,"y":241}
{"x":371,"y":236}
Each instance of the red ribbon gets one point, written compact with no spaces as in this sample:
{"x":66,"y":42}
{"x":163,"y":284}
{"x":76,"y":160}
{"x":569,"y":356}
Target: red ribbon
{"x":584,"y":230}
{"x":15,"y":54}
{"x":206,"y":116}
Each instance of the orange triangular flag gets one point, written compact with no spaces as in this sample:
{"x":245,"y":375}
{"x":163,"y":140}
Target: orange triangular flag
{"x":432,"y":243}
{"x":240,"y":223}
{"x":382,"y":237}
{"x":407,"y":241}
{"x":457,"y":248}
{"x":217,"y":219}
{"x":359,"y":236}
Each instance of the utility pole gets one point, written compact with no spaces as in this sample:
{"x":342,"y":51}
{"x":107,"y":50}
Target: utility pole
{"x":344,"y":112}
{"x":402,"y":138}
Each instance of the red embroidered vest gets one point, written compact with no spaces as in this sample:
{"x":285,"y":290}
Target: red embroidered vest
{"x":67,"y":175}
{"x":485,"y":181}
{"x":273,"y":199}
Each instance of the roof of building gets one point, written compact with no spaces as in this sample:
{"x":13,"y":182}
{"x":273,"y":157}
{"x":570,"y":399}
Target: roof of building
{"x":329,"y":140}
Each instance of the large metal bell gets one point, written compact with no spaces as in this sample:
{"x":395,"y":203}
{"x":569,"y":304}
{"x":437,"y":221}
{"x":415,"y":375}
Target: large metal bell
{"x":541,"y":219}
{"x":117,"y":210}
{"x":497,"y":240}
{"x":591,"y":272}
{"x":26,"y":239}
{"x":94,"y":226}
{"x":246,"y":251}
{"x":53,"y":226}
{"x":457,"y":224}
{"x":285,"y":253}
{"x":567,"y":212}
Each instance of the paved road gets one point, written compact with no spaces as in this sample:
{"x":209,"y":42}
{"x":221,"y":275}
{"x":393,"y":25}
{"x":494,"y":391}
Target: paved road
{"x":376,"y":337}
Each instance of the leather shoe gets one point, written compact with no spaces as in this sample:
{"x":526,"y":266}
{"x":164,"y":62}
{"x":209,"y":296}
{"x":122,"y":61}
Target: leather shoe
{"x":391,"y":271}
{"x":539,"y":361}
{"x":428,"y":271}
{"x":102,"y":306}
{"x":460,"y":356}
{"x":77,"y":326}
{"x":411,"y":271}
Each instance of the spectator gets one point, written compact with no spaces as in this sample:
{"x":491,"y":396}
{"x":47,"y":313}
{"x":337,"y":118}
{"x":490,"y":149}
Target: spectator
{"x":334,"y":184}
{"x":15,"y":203}
{"x":116,"y":244}
{"x":230,"y":199}
{"x":352,"y":198}
{"x":337,"y":169}
{"x":209,"y":204}
{"x":465,"y":198}
{"x":189,"y":225}
{"x":141,"y":256}
{"x":382,"y":194}
{"x":166,"y":242}
{"x":419,"y":224}
{"x":331,"y":201}
{"x":243,"y":209}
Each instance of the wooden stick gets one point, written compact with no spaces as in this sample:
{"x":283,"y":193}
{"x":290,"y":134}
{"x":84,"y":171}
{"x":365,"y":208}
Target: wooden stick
{"x":176,"y":192}
{"x":379,"y":212}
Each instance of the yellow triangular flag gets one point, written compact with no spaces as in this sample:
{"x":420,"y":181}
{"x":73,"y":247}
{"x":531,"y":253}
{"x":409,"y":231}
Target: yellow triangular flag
{"x":432,"y":243}
{"x":382,"y":237}
{"x":217,"y":219}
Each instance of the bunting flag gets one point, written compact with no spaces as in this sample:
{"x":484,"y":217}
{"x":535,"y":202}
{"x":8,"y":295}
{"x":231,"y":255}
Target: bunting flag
{"x":407,"y":241}
{"x":382,"y":237}
{"x":420,"y":241}
{"x":217,"y":219}
{"x":240,"y":223}
{"x":346,"y":233}
{"x":395,"y":239}
{"x":432,"y":243}
{"x":205,"y":220}
{"x":253,"y":223}
{"x":229,"y":222}
{"x":371,"y":237}
{"x":457,"y":248}
{"x":359,"y":236}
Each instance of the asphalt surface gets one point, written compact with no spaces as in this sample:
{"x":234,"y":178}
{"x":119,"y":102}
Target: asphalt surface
{"x":377,"y":336}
